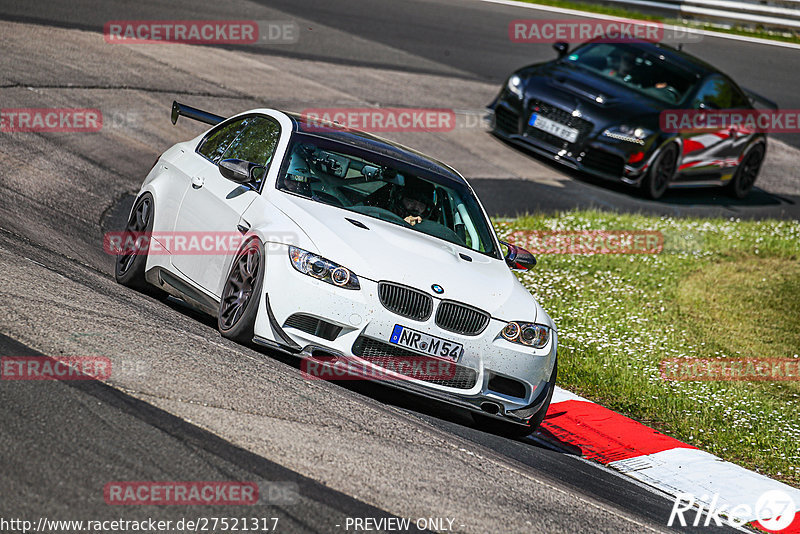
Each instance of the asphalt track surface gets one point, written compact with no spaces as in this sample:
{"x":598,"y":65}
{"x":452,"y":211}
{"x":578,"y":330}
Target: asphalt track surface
{"x":185,"y":404}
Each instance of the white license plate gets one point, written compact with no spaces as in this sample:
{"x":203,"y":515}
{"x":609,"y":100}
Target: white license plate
{"x":555,"y":128}
{"x":426,"y":343}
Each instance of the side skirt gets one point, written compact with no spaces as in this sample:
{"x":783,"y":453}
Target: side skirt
{"x":182,"y":289}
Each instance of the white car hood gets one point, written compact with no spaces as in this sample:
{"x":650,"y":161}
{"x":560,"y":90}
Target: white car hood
{"x":388,"y":252}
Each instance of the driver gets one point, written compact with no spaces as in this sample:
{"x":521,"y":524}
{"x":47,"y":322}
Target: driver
{"x":414,"y":201}
{"x":626,"y":64}
{"x":298,"y":176}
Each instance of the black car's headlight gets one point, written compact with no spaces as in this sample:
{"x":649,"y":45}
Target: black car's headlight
{"x":528,"y":334}
{"x":514,"y":85}
{"x":628,"y":134}
{"x":322,"y":269}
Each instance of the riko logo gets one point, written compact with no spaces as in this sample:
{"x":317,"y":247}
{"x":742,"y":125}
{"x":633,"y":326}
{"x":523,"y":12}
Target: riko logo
{"x":775,"y":510}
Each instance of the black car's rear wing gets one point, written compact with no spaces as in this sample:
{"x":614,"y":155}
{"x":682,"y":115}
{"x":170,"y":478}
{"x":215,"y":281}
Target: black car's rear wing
{"x":756,"y":98}
{"x":179,"y":109}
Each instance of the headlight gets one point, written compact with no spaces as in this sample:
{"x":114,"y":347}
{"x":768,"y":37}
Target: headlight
{"x":322,"y":269}
{"x":628,"y":134}
{"x":515,"y":85}
{"x":528,"y":334}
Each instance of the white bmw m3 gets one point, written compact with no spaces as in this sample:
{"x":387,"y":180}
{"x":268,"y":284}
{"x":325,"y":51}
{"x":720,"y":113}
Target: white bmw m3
{"x":355,"y":252}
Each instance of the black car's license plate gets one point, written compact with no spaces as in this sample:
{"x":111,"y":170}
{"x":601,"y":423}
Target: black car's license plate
{"x":426,"y":343}
{"x":554,"y":128}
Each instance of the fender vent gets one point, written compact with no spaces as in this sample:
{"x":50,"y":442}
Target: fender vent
{"x":313,"y":326}
{"x":507,"y":386}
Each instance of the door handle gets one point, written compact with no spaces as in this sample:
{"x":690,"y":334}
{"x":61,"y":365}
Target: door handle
{"x":197,"y":182}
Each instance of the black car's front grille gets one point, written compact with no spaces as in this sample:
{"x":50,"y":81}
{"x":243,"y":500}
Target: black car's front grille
{"x":506,"y":120}
{"x":604,"y":162}
{"x":407,"y":363}
{"x":312,"y":325}
{"x":405,"y":301}
{"x":549,"y":111}
{"x":461,"y":319}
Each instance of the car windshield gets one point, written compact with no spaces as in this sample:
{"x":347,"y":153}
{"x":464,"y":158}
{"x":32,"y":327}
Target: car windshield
{"x":635,"y":68}
{"x":386,"y":189}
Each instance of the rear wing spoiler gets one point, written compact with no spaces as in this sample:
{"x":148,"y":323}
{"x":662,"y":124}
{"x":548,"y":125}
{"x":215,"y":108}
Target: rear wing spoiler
{"x":179,"y":109}
{"x":756,"y":98}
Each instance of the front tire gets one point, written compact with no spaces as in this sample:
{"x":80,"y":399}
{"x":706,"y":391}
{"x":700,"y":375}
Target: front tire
{"x":747,"y":172}
{"x":661,"y":173}
{"x":241,"y":294}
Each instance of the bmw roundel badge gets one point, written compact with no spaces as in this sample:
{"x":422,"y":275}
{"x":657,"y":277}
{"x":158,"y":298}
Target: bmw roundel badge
{"x":437,"y":289}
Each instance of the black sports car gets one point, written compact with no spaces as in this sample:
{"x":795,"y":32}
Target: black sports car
{"x":597,"y":109}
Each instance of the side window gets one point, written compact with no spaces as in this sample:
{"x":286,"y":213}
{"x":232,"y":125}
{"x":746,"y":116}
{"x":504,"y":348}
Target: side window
{"x":216,"y":142}
{"x":739,"y":100}
{"x":716,"y":92}
{"x":257,"y":143}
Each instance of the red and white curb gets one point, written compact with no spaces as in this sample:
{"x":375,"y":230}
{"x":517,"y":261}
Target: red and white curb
{"x":640,"y":452}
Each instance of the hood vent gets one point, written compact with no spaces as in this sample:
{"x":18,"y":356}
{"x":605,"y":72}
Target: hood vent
{"x":583,"y":91}
{"x":357,"y":223}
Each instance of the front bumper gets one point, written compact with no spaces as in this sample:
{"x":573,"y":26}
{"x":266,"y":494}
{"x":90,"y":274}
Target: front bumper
{"x":593,"y":153}
{"x":356,"y":318}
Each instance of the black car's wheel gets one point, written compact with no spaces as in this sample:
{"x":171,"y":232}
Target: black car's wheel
{"x":241,"y":294}
{"x":131,"y":261}
{"x":515,"y":430}
{"x":747,"y":172}
{"x":661,"y":173}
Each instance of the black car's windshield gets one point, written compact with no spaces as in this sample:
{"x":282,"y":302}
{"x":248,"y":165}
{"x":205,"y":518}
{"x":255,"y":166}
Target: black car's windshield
{"x":647,"y":73}
{"x":383,"y":189}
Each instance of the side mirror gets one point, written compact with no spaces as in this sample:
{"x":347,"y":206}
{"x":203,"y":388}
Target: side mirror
{"x":562,"y":48}
{"x":240,"y":171}
{"x":518,"y":258}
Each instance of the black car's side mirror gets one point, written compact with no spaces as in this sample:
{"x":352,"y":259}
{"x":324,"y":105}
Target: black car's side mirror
{"x":518,"y":258}
{"x":562,"y":48}
{"x":240,"y":171}
{"x":707,"y":106}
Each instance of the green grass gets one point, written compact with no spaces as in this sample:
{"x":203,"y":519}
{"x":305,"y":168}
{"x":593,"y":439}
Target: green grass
{"x":789,"y":37}
{"x":720,"y":288}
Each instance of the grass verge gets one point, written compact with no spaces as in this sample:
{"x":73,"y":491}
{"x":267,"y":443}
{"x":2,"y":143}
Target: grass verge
{"x":787,"y":36}
{"x":719,"y":289}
